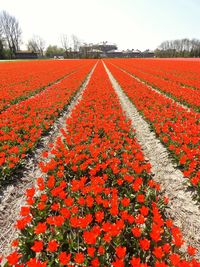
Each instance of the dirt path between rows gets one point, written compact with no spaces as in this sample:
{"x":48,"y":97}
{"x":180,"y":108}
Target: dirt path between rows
{"x":154,"y":89}
{"x":182,"y":209}
{"x":13,"y":197}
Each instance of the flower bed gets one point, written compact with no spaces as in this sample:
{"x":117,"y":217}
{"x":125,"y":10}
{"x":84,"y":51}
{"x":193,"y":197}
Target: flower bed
{"x":23,"y":124}
{"x":185,"y":95}
{"x":98,"y":203}
{"x":20,"y":80}
{"x":176,"y":127}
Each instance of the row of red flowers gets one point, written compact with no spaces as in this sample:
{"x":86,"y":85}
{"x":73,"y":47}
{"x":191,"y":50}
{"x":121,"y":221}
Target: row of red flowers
{"x":22,"y":125}
{"x":184,"y":73}
{"x":20,"y":80}
{"x":180,"y":71}
{"x":177,"y":128}
{"x":185,"y":95}
{"x":98,"y":203}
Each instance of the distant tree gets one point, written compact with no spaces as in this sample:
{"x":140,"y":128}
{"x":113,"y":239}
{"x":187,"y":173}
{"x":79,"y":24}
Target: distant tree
{"x":65,"y":44}
{"x":1,"y":49}
{"x":36,"y":44}
{"x":11,"y":31}
{"x":179,"y":48}
{"x":75,"y":43}
{"x":54,"y":50}
{"x":1,"y":43}
{"x":65,"y":41}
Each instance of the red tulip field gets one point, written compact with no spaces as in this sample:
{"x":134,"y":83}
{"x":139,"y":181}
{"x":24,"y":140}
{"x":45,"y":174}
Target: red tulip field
{"x":100,"y":163}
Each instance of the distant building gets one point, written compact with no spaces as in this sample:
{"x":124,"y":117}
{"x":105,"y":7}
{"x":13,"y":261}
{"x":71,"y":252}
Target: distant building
{"x":148,"y":53}
{"x":96,"y":50}
{"x":58,"y":57}
{"x":114,"y":53}
{"x":104,"y":50}
{"x":105,"y":47}
{"x":136,"y":53}
{"x":26,"y":55}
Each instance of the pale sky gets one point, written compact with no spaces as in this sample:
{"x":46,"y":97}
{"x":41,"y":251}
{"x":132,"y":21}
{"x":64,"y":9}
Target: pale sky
{"x":132,"y":24}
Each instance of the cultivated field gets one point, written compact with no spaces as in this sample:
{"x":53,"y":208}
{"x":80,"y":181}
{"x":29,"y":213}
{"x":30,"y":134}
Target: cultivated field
{"x":99,"y":163}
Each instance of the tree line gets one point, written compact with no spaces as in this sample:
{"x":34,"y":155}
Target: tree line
{"x":10,"y":35}
{"x":11,"y":40}
{"x":179,"y":48}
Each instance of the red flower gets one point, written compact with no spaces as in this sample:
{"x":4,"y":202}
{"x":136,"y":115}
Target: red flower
{"x":38,"y":246}
{"x":55,"y":206}
{"x":99,"y":215}
{"x":95,"y":262}
{"x":91,"y":251}
{"x":118,"y":263}
{"x":125,"y":202}
{"x":101,"y":250}
{"x":89,"y":201}
{"x":21,"y":224}
{"x":65,"y":212}
{"x":40,"y":183}
{"x":140,"y":198}
{"x":107,"y":238}
{"x":13,"y":258}
{"x":166,"y":248}
{"x":30,"y":192}
{"x":158,"y":252}
{"x":136,"y":231}
{"x":40,"y":228}
{"x":41,"y":205}
{"x":135,"y":262}
{"x":64,"y":258}
{"x":33,"y":262}
{"x":120,"y":252}
{"x":90,"y":237}
{"x":144,"y":244}
{"x":25,"y":211}
{"x":191,"y":251}
{"x":161,"y":264}
{"x":144,"y":210}
{"x":79,"y":258}
{"x":175,"y":259}
{"x":15,"y":243}
{"x":52,"y":245}
{"x":56,"y":220}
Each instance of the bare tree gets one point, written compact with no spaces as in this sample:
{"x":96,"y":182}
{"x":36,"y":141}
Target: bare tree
{"x":65,"y":42}
{"x":36,"y":44}
{"x":11,"y":31}
{"x":75,"y":42}
{"x":1,"y":43}
{"x":179,"y":48}
{"x":1,"y":31}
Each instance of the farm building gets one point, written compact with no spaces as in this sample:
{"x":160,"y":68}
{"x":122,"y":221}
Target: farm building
{"x":104,"y":50}
{"x":96,"y":50}
{"x":26,"y":55}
